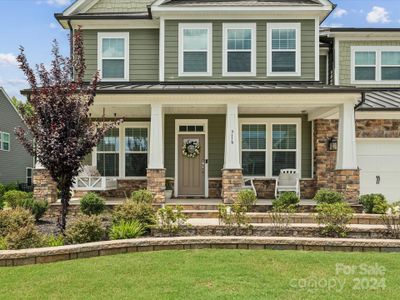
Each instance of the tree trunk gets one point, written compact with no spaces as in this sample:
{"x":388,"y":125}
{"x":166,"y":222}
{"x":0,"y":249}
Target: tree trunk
{"x":65,"y":189}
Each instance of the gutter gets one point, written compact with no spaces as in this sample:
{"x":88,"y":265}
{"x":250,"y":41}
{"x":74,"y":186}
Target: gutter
{"x":361,"y":102}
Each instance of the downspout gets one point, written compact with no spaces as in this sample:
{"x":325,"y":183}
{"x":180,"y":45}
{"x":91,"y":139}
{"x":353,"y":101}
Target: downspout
{"x":361,"y":102}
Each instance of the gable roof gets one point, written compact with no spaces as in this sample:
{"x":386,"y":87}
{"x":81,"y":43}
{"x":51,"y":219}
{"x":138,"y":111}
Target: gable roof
{"x":7,"y":97}
{"x":107,"y":6}
{"x":185,"y":3}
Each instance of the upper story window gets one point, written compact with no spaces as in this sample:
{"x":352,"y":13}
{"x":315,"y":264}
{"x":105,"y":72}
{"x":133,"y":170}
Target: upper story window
{"x":284,"y":54}
{"x":195,"y":44}
{"x":372,"y":65}
{"x":4,"y":141}
{"x":113,"y":56}
{"x":239,"y":49}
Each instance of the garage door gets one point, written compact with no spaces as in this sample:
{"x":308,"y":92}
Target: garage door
{"x":379,"y":162}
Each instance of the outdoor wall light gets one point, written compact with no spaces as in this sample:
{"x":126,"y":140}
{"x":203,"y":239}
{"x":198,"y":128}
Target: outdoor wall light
{"x":332,"y":144}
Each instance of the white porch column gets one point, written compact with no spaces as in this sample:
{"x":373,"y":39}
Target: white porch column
{"x":156,"y":147}
{"x":346,"y":155}
{"x":232,"y":147}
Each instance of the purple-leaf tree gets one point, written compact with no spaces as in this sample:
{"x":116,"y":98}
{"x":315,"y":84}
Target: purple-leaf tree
{"x":59,"y":123}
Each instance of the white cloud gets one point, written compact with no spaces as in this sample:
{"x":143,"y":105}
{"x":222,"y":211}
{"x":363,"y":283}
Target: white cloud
{"x":378,"y":15}
{"x":8,"y":59}
{"x":340,"y":12}
{"x":54,"y":2}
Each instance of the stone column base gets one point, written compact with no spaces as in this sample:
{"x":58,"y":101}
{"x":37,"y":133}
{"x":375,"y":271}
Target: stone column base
{"x":348,"y":183}
{"x":44,"y":186}
{"x":156,"y":184}
{"x":232,"y":183}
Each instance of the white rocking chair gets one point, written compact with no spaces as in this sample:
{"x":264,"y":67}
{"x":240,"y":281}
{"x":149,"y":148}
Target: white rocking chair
{"x":248,"y":184}
{"x":288,"y":181}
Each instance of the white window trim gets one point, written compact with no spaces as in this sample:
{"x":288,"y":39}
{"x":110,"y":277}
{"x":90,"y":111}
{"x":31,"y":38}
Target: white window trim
{"x":2,"y":133}
{"x":269,"y":122}
{"x":26,"y":175}
{"x":378,"y":63}
{"x":104,"y":35}
{"x":122,"y":152}
{"x":295,"y":26}
{"x":182,"y":27}
{"x":253,"y":28}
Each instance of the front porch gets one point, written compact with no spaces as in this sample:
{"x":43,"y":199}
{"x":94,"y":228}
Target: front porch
{"x":251,"y":134}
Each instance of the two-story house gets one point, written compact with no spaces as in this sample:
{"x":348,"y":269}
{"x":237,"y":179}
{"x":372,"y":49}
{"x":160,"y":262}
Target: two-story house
{"x":214,"y":91}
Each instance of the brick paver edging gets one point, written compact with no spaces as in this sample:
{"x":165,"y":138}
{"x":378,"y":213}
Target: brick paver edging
{"x":46,"y":255}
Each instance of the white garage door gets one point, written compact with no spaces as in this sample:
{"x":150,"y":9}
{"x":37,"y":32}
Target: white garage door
{"x":379,"y":162}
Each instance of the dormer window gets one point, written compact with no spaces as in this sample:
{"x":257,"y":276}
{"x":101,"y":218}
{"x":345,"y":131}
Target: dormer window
{"x":239,"y":49}
{"x":113,"y":56}
{"x":195,"y":44}
{"x":283,"y":55}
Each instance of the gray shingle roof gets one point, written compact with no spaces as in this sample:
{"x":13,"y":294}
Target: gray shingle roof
{"x":381,"y":100}
{"x":242,"y":3}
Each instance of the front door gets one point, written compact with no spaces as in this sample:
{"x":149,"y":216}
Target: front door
{"x":191,"y":164}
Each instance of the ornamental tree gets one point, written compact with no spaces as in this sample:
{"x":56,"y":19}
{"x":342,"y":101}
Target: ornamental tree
{"x":59,"y":121}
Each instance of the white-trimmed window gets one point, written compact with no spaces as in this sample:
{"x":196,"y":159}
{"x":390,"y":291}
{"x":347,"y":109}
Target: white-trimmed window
{"x":270,"y":145}
{"x":374,"y":65}
{"x":113,"y":56}
{"x":4,"y":141}
{"x":107,"y":154}
{"x":29,"y":176}
{"x":195,"y":44}
{"x":283,"y":49}
{"x":136,"y":148}
{"x":239,"y":49}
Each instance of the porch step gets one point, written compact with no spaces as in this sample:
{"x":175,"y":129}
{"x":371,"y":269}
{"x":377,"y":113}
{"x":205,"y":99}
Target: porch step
{"x":297,"y":218}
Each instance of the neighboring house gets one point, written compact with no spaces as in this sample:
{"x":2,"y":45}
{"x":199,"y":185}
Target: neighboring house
{"x":253,"y":86}
{"x":15,"y":162}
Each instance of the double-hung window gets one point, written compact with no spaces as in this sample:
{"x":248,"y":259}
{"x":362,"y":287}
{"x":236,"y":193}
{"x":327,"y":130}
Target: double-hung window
{"x":374,"y":65}
{"x":283,"y":45}
{"x":239,"y":45}
{"x":136,"y":147}
{"x":195,"y":44}
{"x":113,"y":56}
{"x":270,"y":145}
{"x":4,"y":141}
{"x":29,"y":177}
{"x":108,"y":154}
{"x":284,"y":147}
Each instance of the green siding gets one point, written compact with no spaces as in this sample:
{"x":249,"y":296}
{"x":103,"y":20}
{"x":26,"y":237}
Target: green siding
{"x":307,"y":50}
{"x":323,"y":69}
{"x":345,"y":59}
{"x":216,"y":141}
{"x":143,"y":54}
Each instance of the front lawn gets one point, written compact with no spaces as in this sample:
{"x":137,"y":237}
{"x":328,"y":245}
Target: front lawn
{"x":209,"y":274}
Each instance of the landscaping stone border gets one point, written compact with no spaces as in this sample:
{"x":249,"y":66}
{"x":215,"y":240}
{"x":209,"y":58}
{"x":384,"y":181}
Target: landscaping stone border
{"x":54,"y":254}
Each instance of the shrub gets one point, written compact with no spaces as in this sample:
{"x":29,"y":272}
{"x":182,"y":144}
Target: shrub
{"x":391,"y":218}
{"x":92,"y":204}
{"x":246,"y":198}
{"x":37,"y":207}
{"x":3,"y":244}
{"x":24,"y":238}
{"x":374,"y":203}
{"x":327,"y":196}
{"x":233,"y":215}
{"x":170,"y":219}
{"x":334,"y":217}
{"x":84,"y":229}
{"x":13,"y":219}
{"x":11,"y":186}
{"x":2,"y":190}
{"x":281,"y":215}
{"x":54,"y":240}
{"x":131,"y":211}
{"x":142,"y":196}
{"x":12,"y":197}
{"x":286,"y":200}
{"x":126,"y":230}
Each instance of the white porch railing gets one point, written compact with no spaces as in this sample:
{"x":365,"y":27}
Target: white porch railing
{"x":94,"y":183}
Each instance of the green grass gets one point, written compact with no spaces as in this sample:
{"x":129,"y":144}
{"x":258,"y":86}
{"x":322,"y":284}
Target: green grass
{"x":200,"y":274}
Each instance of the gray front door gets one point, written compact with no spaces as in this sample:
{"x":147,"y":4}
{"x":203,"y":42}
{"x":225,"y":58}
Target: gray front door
{"x":191,"y":170}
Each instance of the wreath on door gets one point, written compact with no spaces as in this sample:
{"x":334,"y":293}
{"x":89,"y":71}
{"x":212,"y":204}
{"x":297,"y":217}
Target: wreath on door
{"x":191,"y":149}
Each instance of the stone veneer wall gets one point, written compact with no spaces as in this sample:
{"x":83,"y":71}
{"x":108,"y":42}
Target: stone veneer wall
{"x":44,"y":186}
{"x":232,"y":182}
{"x":156,"y":184}
{"x":378,"y":128}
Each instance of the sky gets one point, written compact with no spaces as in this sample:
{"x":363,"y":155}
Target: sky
{"x":31,"y":24}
